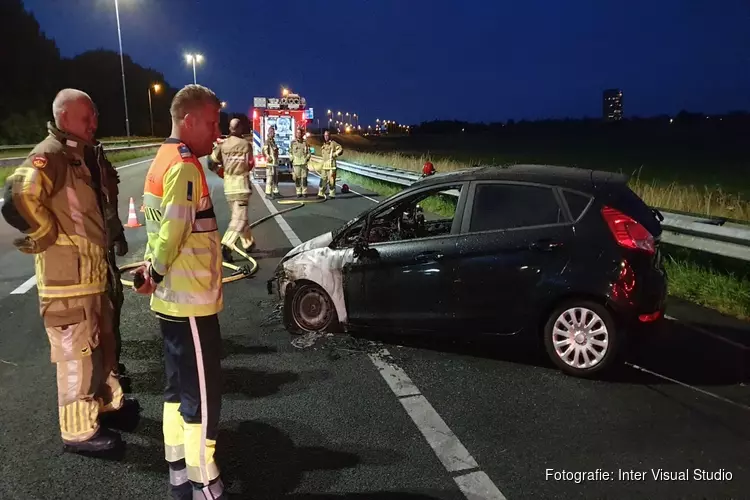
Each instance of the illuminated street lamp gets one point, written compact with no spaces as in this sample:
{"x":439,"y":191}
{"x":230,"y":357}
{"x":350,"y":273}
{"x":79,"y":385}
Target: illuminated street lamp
{"x":284,"y":92}
{"x":223,"y":104}
{"x":122,"y":68}
{"x":156,"y":88}
{"x":194,"y":58}
{"x":356,"y":121}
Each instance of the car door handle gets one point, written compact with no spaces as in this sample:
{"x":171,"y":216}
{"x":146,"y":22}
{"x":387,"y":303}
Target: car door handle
{"x":429,"y":256}
{"x":545,"y":245}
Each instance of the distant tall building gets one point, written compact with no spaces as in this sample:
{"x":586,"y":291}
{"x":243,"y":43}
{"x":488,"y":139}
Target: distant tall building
{"x":612,"y":105}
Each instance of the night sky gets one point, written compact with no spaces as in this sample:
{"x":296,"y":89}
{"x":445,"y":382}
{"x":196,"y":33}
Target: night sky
{"x":415,"y":60}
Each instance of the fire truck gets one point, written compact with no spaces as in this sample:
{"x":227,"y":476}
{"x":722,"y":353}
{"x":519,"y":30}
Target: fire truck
{"x":285,"y":114}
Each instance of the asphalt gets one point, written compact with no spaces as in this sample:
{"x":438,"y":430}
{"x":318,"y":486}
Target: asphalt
{"x":320,"y":422}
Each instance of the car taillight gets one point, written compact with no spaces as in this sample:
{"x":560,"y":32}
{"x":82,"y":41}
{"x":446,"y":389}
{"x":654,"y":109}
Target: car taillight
{"x":627,"y":232}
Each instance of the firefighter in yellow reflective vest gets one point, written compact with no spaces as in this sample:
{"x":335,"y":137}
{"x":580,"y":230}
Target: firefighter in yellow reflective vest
{"x":300,"y":153}
{"x":232,"y":159}
{"x":329,"y":151}
{"x":57,"y":199}
{"x":183,"y":274}
{"x":271,"y":152}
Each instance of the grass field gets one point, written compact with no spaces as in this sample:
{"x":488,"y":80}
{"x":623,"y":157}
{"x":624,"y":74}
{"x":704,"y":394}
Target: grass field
{"x":700,"y":185}
{"x":113,"y":157}
{"x":720,"y":285}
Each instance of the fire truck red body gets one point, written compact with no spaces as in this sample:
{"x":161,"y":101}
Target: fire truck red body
{"x":285,"y":115}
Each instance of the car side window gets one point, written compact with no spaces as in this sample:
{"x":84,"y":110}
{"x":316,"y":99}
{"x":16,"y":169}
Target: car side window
{"x":423,"y":215}
{"x":509,"y":206}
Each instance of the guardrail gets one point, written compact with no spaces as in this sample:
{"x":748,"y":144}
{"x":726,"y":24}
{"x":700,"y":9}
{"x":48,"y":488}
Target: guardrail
{"x":12,"y":162}
{"x":713,"y":235}
{"x":10,"y":147}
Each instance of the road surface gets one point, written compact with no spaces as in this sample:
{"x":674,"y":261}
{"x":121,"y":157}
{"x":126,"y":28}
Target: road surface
{"x":382,"y":417}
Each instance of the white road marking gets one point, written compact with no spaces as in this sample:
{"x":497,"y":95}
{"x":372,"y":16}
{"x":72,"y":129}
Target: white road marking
{"x":25,"y":287}
{"x":708,"y":333}
{"x":707,"y":393}
{"x":31,"y":282}
{"x":475,"y":485}
{"x":446,"y":445}
{"x":133,"y":164}
{"x":290,"y":235}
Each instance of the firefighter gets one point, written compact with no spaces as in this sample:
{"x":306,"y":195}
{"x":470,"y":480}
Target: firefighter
{"x":57,"y":199}
{"x":271,"y":152}
{"x":329,"y":151}
{"x":300,"y":153}
{"x":232,"y":160}
{"x":183,"y":275}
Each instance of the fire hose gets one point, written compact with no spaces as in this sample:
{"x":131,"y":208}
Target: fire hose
{"x":238,"y":272}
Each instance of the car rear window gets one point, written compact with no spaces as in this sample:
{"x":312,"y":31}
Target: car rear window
{"x":509,"y":206}
{"x":576,"y":202}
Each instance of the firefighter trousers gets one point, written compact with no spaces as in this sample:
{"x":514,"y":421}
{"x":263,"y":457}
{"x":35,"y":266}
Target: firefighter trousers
{"x":192,"y":403}
{"x":300,"y":178}
{"x":327,"y":180}
{"x":239,"y":226}
{"x":272,"y":179}
{"x":82,"y":345}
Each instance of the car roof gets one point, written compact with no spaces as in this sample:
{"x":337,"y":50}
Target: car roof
{"x":571,"y":177}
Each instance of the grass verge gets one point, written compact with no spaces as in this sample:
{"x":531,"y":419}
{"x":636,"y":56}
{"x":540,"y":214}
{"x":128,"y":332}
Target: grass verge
{"x":113,"y":157}
{"x":707,"y":282}
{"x":669,"y":196}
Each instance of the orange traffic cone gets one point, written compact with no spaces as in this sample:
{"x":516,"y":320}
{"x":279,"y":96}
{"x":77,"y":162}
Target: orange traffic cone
{"x":132,"y":218}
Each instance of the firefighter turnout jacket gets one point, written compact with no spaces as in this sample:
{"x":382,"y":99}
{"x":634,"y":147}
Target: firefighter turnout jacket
{"x":57,"y":198}
{"x":271,"y":151}
{"x":234,"y":156}
{"x":329,"y":151}
{"x":300,"y":153}
{"x":183,"y":239}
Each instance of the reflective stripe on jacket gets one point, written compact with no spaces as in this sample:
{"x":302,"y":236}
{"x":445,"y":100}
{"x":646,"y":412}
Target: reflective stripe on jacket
{"x":183,"y":239}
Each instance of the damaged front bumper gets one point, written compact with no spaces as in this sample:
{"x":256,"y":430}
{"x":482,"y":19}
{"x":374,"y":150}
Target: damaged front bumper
{"x":276,"y":283}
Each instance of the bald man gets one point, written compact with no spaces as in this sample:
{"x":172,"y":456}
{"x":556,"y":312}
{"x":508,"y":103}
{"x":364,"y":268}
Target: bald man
{"x":58,"y":198}
{"x":232,"y":159}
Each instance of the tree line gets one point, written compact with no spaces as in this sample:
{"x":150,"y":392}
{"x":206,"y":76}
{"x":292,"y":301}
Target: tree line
{"x":34,"y":71}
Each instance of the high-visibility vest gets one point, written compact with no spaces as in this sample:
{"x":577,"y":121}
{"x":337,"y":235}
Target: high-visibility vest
{"x":183,"y":238}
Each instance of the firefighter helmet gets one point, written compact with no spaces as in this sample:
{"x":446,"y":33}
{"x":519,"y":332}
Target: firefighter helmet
{"x":345,"y":188}
{"x":428,"y":168}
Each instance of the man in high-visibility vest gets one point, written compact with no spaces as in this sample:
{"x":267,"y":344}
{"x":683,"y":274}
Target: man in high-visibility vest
{"x":183,"y":275}
{"x":58,"y":198}
{"x":232,"y":160}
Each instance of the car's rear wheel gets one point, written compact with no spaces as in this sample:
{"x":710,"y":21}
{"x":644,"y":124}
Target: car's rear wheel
{"x":312,"y":310}
{"x":581,"y":338}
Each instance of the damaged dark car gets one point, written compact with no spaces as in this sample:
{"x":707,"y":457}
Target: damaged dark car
{"x":570,"y":255}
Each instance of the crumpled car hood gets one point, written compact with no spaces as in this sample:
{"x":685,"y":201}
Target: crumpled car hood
{"x":318,"y":242}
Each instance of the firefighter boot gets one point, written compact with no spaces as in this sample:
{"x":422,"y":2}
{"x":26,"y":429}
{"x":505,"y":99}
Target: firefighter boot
{"x":104,"y":443}
{"x":125,"y":419}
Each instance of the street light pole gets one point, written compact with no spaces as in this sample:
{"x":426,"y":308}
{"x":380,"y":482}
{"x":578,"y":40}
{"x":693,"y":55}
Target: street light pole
{"x":150,"y":112}
{"x":122,"y":68}
{"x":195,"y":79}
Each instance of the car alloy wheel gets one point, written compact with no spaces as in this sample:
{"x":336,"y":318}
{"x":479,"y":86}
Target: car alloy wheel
{"x":312,"y":309}
{"x":580,"y":338}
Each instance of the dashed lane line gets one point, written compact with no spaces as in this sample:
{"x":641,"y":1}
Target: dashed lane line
{"x":25,"y":286}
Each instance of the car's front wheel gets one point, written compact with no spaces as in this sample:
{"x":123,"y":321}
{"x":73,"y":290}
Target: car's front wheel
{"x":581,"y":338}
{"x":311,"y":309}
